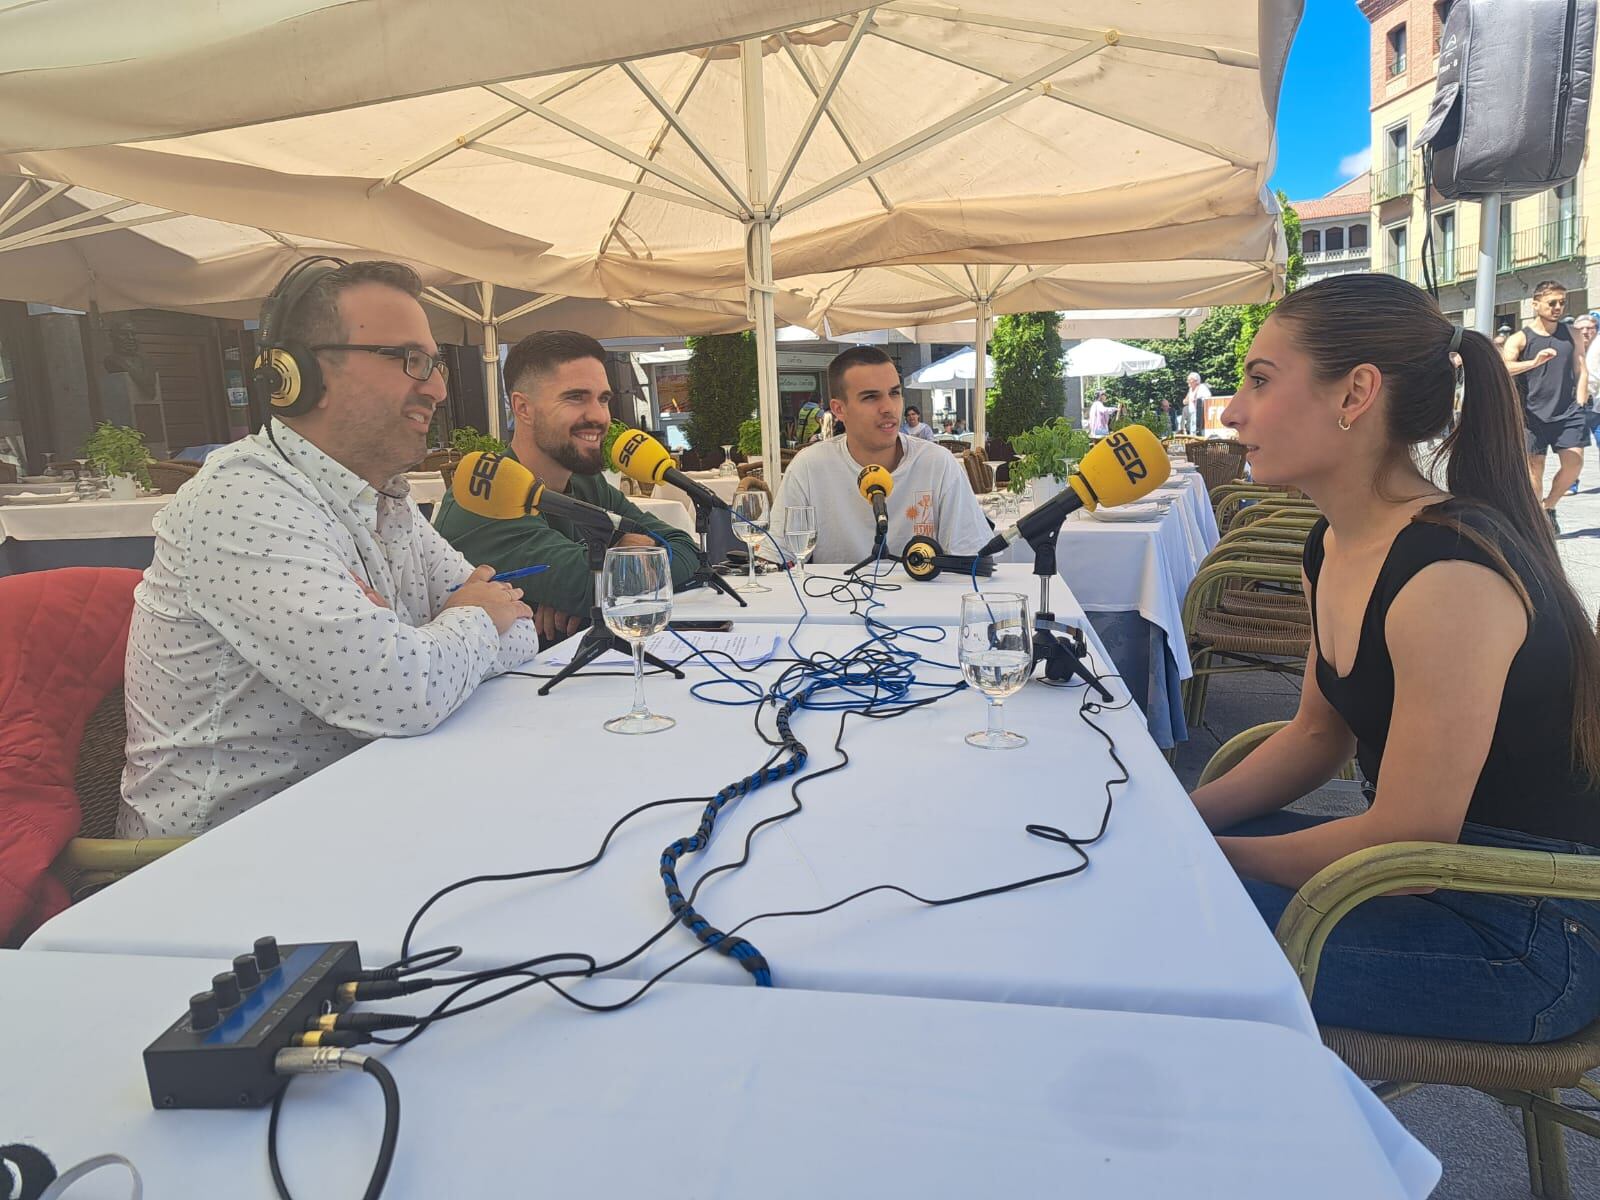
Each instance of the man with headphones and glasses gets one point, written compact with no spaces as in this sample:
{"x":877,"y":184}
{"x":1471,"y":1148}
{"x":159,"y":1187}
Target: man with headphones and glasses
{"x":298,"y":604}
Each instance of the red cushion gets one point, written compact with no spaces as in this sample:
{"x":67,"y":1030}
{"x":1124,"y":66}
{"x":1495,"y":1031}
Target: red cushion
{"x":63,"y":635}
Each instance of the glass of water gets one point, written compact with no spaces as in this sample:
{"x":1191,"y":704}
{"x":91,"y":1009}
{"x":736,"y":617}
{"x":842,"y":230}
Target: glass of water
{"x":800,"y":535}
{"x":749,"y":513}
{"x":996,"y":658}
{"x":635,"y":601}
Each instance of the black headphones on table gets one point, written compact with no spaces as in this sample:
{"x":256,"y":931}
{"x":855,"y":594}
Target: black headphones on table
{"x":287,"y":374}
{"x":923,"y":558}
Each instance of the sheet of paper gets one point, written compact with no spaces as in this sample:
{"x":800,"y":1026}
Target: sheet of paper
{"x":748,"y":649}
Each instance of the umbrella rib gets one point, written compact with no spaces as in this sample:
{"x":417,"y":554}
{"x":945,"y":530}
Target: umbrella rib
{"x":671,"y":116}
{"x":30,"y":239}
{"x":22,"y":214}
{"x":655,"y":148}
{"x":489,"y":126}
{"x":1100,"y":110}
{"x":23,"y":188}
{"x":607,"y":180}
{"x":596,"y":139}
{"x":823,"y":98}
{"x":524,"y":309}
{"x":838,"y":127}
{"x":985,"y":108}
{"x":1105,"y":34}
{"x":940,"y":277}
{"x":78,"y":218}
{"x":449,"y":304}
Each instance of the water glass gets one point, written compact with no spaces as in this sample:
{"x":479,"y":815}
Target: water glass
{"x":635,"y":602}
{"x":800,"y":535}
{"x":749,"y":514}
{"x":996,"y":655}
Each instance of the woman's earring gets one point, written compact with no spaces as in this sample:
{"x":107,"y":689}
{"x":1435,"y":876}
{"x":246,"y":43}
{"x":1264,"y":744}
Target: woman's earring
{"x":1344,"y":425}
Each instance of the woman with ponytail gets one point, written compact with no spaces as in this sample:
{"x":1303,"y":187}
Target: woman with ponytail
{"x":1449,"y":654}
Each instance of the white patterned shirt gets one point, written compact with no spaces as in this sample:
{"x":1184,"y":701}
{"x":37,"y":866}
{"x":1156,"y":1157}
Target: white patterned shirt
{"x":255,"y":657}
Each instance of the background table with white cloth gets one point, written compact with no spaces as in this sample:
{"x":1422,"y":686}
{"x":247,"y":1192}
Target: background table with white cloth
{"x":1157,"y":923}
{"x":810,"y":1093}
{"x":1131,"y":577}
{"x":78,"y":533}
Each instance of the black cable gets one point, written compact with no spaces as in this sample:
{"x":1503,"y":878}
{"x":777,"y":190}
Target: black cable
{"x":386,"y":1145}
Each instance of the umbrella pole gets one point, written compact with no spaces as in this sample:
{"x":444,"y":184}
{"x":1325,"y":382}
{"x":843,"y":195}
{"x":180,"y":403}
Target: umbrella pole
{"x":758,"y":262}
{"x":491,"y":362}
{"x":980,"y":381}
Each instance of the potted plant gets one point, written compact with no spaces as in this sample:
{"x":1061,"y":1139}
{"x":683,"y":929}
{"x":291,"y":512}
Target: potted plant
{"x":750,"y":437}
{"x":465,"y":439}
{"x":1046,"y":454}
{"x":119,"y":452}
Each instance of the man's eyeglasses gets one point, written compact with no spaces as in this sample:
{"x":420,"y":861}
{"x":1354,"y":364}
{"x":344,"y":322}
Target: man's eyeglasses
{"x":418,"y":364}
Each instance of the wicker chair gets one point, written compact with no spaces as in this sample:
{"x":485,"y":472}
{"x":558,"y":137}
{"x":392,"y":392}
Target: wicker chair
{"x":1226,"y":617}
{"x":1220,"y":462}
{"x":1528,"y":1077}
{"x":754,"y":483}
{"x":97,"y":856}
{"x":168,"y":475}
{"x":979,"y":473}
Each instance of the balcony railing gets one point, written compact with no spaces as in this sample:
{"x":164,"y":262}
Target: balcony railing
{"x":1397,"y":179}
{"x":1323,"y":256}
{"x":1525,"y":250}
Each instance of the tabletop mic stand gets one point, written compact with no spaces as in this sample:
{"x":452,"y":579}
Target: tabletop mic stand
{"x":1062,"y":660}
{"x":703,"y":574}
{"x":877,"y":555}
{"x":598,"y":638}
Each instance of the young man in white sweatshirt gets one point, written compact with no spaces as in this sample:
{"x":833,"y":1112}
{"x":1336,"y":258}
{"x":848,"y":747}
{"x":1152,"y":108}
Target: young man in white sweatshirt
{"x":931,"y":495}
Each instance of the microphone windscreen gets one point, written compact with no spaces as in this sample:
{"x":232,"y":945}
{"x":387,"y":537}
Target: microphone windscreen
{"x":634,"y":453}
{"x":492,"y":485}
{"x":874,"y":478}
{"x":1122,"y":468}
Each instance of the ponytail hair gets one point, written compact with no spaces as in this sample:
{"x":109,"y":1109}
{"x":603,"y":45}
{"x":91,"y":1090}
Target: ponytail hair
{"x":1395,"y":326}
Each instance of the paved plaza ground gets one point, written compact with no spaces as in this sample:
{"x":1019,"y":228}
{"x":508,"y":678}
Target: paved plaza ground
{"x":1479,"y":1142}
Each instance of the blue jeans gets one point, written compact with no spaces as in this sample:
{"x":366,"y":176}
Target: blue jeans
{"x":1485,"y":968}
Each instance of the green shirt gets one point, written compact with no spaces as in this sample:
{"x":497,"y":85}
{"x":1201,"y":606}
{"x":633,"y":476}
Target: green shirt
{"x":568,"y":586}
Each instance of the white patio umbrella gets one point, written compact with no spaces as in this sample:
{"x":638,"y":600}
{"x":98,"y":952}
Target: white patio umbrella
{"x":960,"y":368}
{"x":1102,"y":356}
{"x":659,"y":158}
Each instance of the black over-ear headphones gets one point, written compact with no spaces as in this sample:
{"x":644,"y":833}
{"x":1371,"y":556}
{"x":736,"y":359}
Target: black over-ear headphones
{"x":287,"y":373}
{"x":923,"y":559}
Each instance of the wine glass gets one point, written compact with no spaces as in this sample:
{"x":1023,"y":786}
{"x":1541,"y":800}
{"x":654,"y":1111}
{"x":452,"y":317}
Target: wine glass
{"x":996,"y":658}
{"x":635,"y":602}
{"x":728,"y":467}
{"x":749,"y":513}
{"x":800,"y":535}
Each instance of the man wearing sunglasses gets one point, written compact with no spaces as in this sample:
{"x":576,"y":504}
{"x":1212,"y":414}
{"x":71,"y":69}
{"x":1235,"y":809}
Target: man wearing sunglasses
{"x":299,"y":605}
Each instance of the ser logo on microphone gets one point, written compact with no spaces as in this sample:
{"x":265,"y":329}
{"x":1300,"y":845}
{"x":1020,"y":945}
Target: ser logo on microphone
{"x":626,"y":449}
{"x":481,"y":482}
{"x":1128,"y":455}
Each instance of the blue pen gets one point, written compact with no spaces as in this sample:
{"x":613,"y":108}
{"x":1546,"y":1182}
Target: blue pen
{"x":505,"y":575}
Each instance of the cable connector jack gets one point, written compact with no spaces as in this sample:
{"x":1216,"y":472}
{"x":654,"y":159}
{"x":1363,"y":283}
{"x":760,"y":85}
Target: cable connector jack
{"x":317,"y":1060}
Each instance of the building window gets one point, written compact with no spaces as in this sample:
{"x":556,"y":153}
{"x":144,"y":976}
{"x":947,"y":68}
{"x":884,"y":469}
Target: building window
{"x":1311,"y":242}
{"x":1358,"y":237}
{"x":1397,"y":50}
{"x":1334,"y":239}
{"x":1444,"y":245}
{"x":1441,"y":14}
{"x":1397,"y":243}
{"x":1504,"y":255}
{"x":1564,"y":221}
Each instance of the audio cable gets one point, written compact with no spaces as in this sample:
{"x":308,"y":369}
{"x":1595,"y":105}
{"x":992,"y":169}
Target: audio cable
{"x":325,"y":1060}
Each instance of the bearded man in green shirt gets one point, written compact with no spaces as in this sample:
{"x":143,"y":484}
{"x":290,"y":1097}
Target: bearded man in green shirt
{"x":561,"y":403}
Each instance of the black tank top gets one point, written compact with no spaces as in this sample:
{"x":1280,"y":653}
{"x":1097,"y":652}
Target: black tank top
{"x":1528,"y":782}
{"x":1549,"y":392}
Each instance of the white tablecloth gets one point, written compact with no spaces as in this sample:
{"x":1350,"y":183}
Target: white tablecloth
{"x":674,"y":512}
{"x":899,"y":599}
{"x":427,"y":487}
{"x":723,"y":485}
{"x":716,"y":1092}
{"x":77,"y":520}
{"x":1158,"y":923}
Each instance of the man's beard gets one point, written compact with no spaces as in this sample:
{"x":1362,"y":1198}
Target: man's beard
{"x":571,"y":456}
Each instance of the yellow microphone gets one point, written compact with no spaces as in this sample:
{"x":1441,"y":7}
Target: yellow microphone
{"x":500,"y":488}
{"x":1122,"y":468}
{"x":876,"y":484}
{"x":634,"y":453}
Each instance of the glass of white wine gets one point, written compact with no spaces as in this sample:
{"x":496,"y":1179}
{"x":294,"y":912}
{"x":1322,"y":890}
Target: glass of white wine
{"x":635,"y":601}
{"x":800,"y":535}
{"x":996,"y":658}
{"x":749,"y":514}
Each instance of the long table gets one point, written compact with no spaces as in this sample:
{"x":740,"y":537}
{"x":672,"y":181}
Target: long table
{"x":78,"y":533}
{"x":716,"y":1092}
{"x":1157,"y":923}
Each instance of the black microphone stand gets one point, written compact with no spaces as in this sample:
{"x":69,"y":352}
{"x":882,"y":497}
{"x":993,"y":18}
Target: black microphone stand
{"x":1053,"y":642}
{"x":876,"y":556}
{"x":598,"y":638}
{"x":703,"y":574}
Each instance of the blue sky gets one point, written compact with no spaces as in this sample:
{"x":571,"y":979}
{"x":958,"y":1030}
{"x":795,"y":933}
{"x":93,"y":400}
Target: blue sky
{"x":1323,"y":126}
